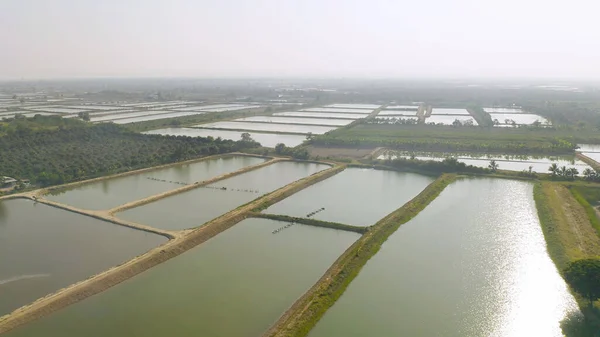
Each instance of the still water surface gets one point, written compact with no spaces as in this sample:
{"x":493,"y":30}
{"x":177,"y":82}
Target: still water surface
{"x":355,"y":196}
{"x":195,"y":207}
{"x":110,"y":193}
{"x":473,"y":263}
{"x":44,"y":249}
{"x":234,"y":285}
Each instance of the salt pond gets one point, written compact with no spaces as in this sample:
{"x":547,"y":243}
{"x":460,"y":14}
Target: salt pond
{"x":340,"y":110}
{"x":518,"y":118}
{"x":291,"y":120}
{"x":319,"y":115}
{"x":448,"y":120}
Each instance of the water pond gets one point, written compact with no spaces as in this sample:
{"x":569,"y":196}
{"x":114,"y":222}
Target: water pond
{"x":355,"y":196}
{"x":44,"y":249}
{"x":510,"y":163}
{"x":234,"y":285}
{"x":110,"y":193}
{"x":292,"y":120}
{"x":318,"y":115}
{"x":196,"y":207}
{"x":265,"y":139}
{"x":165,"y":115}
{"x":397,"y":113}
{"x":355,"y":106}
{"x":440,"y":111}
{"x":289,"y":128}
{"x":473,"y":263}
{"x":337,"y":110}
{"x":518,"y":118}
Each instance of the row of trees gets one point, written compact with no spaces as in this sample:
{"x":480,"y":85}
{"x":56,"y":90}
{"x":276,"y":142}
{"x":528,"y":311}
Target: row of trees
{"x":65,"y":154}
{"x":568,"y":173}
{"x":448,"y":165}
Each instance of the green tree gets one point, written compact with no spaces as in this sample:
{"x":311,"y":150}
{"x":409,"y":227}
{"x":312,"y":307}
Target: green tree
{"x":584,"y":277}
{"x":493,"y":166}
{"x":280,"y":148}
{"x":309,"y":136}
{"x":554,"y":169}
{"x":589,"y":174}
{"x":84,"y":115}
{"x":246,"y":137}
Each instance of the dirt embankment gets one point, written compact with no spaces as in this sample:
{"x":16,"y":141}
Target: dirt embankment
{"x":184,"y":241}
{"x":340,"y":152}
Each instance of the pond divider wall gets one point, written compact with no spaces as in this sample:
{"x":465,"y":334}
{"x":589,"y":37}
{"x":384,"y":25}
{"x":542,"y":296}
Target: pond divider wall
{"x":310,"y":222}
{"x":186,"y":188}
{"x":182,"y":242}
{"x":299,"y":319}
{"x":594,"y":164}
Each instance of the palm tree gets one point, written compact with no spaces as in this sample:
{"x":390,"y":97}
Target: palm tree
{"x":553,"y":169}
{"x":563,"y":171}
{"x":572,"y":172}
{"x":589,"y":174}
{"x":493,"y":166}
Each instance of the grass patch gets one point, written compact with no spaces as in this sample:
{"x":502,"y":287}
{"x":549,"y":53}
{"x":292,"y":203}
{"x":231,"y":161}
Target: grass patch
{"x":587,"y":195}
{"x":306,"y":312}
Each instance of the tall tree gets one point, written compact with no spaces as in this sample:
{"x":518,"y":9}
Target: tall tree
{"x":584,"y":277}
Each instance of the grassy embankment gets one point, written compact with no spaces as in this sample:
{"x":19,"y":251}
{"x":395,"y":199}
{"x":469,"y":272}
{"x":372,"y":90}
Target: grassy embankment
{"x":568,"y":228}
{"x":307,"y":311}
{"x":467,"y":139}
{"x":310,"y":222}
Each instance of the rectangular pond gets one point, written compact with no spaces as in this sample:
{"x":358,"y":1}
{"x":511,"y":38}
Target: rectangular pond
{"x":518,"y":118}
{"x":155,"y":117}
{"x":211,"y":106}
{"x":301,"y":129}
{"x":503,"y":110}
{"x":44,"y":249}
{"x":339,"y":110}
{"x":355,"y":196}
{"x":473,"y":263}
{"x":292,"y":120}
{"x":265,"y":139}
{"x":198,"y":206}
{"x":448,"y":119}
{"x":234,"y":285}
{"x":355,"y":106}
{"x":588,"y":148}
{"x":110,"y":193}
{"x":319,"y":115}
{"x":402,"y":107}
{"x":119,"y":115}
{"x":442,"y":111}
{"x":397,"y":113}
{"x":539,"y":164}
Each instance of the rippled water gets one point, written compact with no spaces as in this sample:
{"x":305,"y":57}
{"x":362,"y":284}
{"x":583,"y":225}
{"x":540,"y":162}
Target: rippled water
{"x":110,"y":193}
{"x":195,"y":207}
{"x":44,"y":249}
{"x":355,"y":196}
{"x":473,"y":263}
{"x":234,"y":285}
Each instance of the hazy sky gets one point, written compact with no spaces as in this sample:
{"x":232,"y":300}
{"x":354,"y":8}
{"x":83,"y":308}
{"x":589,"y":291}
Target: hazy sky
{"x":323,"y":38}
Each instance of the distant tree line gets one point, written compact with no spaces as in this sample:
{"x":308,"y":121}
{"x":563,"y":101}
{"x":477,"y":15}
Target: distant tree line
{"x":64,"y":154}
{"x":448,"y":165}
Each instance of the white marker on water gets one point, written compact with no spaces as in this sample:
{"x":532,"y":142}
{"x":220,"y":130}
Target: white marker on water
{"x":22,"y":277}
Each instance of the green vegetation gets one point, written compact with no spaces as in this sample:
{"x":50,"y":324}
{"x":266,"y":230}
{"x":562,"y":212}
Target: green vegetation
{"x":448,"y":138}
{"x":448,"y":165}
{"x":56,"y":155}
{"x":588,"y":197}
{"x":583,"y":276}
{"x":315,"y":303}
{"x":36,"y":123}
{"x":311,"y":222}
{"x":483,"y":118}
{"x":294,"y":152}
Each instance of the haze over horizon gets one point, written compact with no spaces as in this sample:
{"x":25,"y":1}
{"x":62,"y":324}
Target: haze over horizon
{"x":242,"y":38}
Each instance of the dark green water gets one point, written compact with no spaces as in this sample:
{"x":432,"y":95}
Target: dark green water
{"x":473,"y":263}
{"x":195,"y":207}
{"x":355,"y":196}
{"x":234,"y":285}
{"x":44,"y":249}
{"x":110,"y":193}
